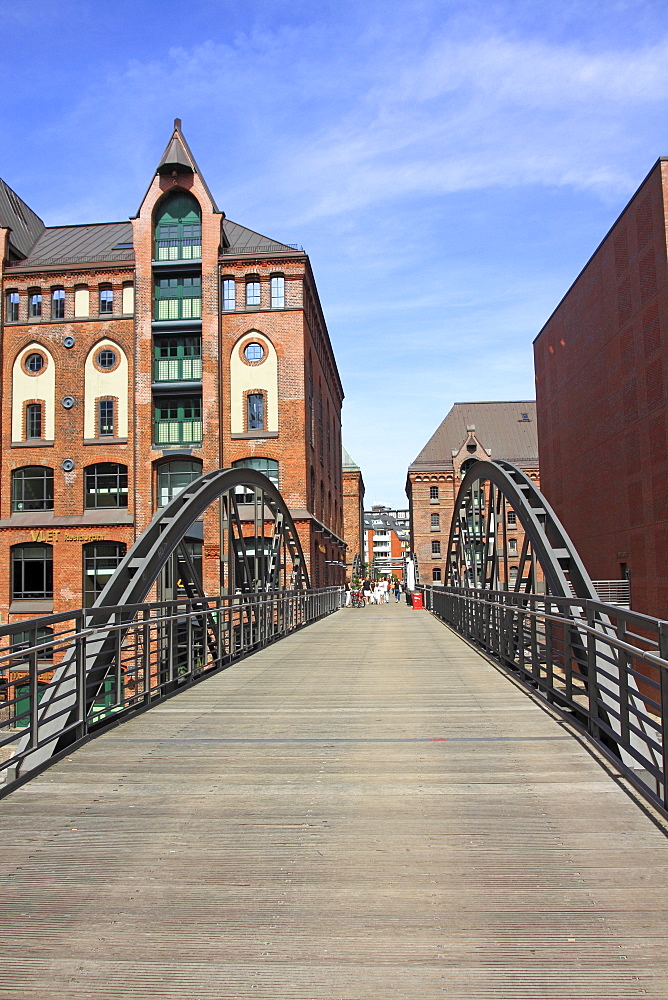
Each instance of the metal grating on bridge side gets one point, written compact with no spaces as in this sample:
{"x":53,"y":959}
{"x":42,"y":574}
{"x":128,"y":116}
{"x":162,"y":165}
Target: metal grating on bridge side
{"x":367,"y":810}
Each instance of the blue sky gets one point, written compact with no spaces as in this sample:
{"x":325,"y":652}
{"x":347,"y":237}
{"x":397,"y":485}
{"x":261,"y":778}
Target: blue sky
{"x":448,"y":166}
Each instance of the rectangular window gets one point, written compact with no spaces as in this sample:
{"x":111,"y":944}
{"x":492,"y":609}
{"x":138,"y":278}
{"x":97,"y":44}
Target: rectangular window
{"x":32,"y":572}
{"x":177,"y":359}
{"x":512,"y":519}
{"x":436,"y":575}
{"x":34,"y":420}
{"x":278,"y":292}
{"x":35,"y":306}
{"x":178,"y":420}
{"x":252,"y":293}
{"x":512,"y":546}
{"x":433,"y":492}
{"x":106,"y":485}
{"x":436,"y":547}
{"x":106,"y":300}
{"x":255,"y":409}
{"x":12,"y":307}
{"x":435,"y":521}
{"x":58,"y":303}
{"x":229,"y":294}
{"x":105,"y":418}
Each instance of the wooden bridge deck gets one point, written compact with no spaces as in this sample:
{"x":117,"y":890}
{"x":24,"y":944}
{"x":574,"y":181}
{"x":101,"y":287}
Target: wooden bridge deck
{"x":367,"y":809}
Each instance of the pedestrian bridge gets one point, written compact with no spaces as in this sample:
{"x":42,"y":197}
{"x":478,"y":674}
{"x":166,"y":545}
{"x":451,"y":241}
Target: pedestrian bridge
{"x":368,"y":809}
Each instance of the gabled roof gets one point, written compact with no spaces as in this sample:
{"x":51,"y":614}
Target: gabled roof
{"x":238,"y":238}
{"x":81,"y":244}
{"x":25,"y":225}
{"x":500,"y":427}
{"x":177,"y":155}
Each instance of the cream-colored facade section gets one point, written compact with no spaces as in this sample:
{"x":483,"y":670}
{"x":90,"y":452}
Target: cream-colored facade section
{"x":81,"y":301}
{"x":128,"y":299}
{"x":244,"y":377}
{"x":41,"y":386}
{"x":99,"y":384}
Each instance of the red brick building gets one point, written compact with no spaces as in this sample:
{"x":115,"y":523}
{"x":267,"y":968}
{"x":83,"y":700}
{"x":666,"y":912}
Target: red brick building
{"x":601,"y":367}
{"x":387,"y":542}
{"x":470,"y":432}
{"x":353,"y":514}
{"x":135,"y":356}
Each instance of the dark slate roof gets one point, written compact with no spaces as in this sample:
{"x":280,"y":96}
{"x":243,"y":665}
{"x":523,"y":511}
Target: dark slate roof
{"x":16,"y":215}
{"x":174,"y":156}
{"x":498,"y":426}
{"x":238,"y":239}
{"x":81,"y":244}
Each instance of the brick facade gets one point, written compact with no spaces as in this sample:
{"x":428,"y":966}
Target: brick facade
{"x":303,"y":404}
{"x":601,"y":367}
{"x":353,"y":513}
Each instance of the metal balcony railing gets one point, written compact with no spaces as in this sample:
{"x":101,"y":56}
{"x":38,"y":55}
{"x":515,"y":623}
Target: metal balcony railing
{"x":178,"y":431}
{"x":178,"y":308}
{"x":184,"y":249}
{"x":177,"y":370}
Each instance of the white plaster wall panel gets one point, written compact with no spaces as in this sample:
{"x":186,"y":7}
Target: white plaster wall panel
{"x":99,"y":383}
{"x":128,"y":299}
{"x":41,"y":386}
{"x":244,"y":377}
{"x":81,"y":302}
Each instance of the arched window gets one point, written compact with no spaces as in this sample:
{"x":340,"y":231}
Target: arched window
{"x":278,"y":292}
{"x":12,"y":307}
{"x":106,"y":485}
{"x":33,"y":420}
{"x":178,"y":228}
{"x":229,"y":293}
{"x":106,"y":299}
{"x":174,"y":477}
{"x":255,"y":411}
{"x":465,"y":466}
{"x":32,"y":488}
{"x":32,"y":572}
{"x":35,"y":303}
{"x":100,"y":559}
{"x":267,"y":466}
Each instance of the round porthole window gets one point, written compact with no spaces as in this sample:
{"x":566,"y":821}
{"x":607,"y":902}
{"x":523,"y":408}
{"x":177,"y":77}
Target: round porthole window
{"x":68,"y":402}
{"x":67,"y":465}
{"x":107,"y":358}
{"x":254,"y":352}
{"x":34,"y":363}
{"x":68,"y":342}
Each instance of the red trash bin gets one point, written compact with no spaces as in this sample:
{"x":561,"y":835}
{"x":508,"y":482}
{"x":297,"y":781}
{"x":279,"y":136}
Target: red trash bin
{"x":416,"y":601}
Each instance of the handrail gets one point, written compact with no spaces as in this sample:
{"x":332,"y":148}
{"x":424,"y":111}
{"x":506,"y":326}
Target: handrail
{"x":157,"y":649}
{"x":604,"y":666}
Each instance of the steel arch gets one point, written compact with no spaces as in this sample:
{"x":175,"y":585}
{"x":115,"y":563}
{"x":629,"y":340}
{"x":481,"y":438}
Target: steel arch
{"x":141,"y":566}
{"x":477,"y":553}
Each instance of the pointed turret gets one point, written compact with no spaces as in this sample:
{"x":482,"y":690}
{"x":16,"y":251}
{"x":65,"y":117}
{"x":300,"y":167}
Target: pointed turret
{"x":175,"y":158}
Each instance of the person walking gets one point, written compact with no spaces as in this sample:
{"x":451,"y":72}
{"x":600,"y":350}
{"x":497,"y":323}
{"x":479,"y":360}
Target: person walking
{"x":348,"y":595}
{"x":397,"y":591}
{"x":366,"y":591}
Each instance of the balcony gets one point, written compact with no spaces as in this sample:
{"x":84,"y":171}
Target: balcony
{"x":184,"y":432}
{"x":175,"y":249}
{"x":177,"y":370}
{"x":178,"y":308}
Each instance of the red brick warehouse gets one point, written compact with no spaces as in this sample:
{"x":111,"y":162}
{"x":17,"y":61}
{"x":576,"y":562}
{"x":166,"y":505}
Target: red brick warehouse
{"x":137,"y":355}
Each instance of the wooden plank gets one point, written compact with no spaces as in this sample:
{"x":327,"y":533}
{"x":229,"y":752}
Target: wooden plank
{"x":367,"y":810}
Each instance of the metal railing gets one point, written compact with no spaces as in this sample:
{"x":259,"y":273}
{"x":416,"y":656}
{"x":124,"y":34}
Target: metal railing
{"x":607,"y":667}
{"x":614,"y":591}
{"x":66,"y":676}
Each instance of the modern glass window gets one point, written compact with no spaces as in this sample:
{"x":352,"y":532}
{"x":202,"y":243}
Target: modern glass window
{"x":436,"y":574}
{"x":252,"y":293}
{"x":178,"y":297}
{"x":435,"y":547}
{"x":255,"y":411}
{"x":435,"y":520}
{"x":433,"y":492}
{"x":267,"y":466}
{"x":34,"y":420}
{"x":32,"y":572}
{"x":229,"y":293}
{"x":178,"y":230}
{"x":106,"y":300}
{"x":100,"y":560}
{"x":177,"y":359}
{"x":254,"y":352}
{"x":512,"y":519}
{"x":32,"y":488}
{"x":105,"y":418}
{"x":12,"y":307}
{"x":107,"y":358}
{"x":106,"y":485}
{"x":34,"y":305}
{"x":58,"y":303}
{"x":278,"y":292}
{"x":178,"y":420}
{"x":174,"y":477}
